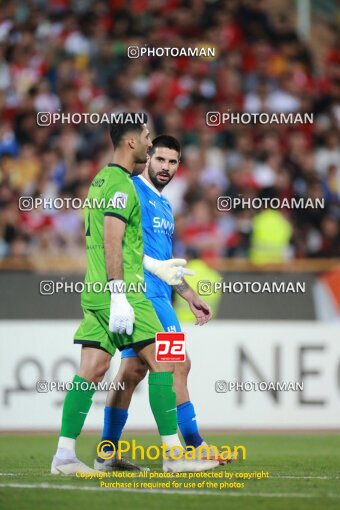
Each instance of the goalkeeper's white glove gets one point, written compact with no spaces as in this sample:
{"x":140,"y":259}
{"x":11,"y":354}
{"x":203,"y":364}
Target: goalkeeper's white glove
{"x":122,"y":315}
{"x":170,"y":271}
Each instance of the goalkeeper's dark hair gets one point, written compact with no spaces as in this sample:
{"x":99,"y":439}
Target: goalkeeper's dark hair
{"x":125,"y":125}
{"x":165,"y":141}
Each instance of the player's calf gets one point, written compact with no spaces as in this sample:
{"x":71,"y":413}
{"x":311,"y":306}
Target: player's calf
{"x":181,"y":380}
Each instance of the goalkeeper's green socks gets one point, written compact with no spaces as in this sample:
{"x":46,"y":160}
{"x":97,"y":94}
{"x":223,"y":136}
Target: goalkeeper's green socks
{"x":163,"y":405}
{"x":77,"y":404}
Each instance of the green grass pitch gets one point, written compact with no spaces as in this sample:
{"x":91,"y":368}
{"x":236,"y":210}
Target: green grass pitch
{"x":304,"y":473}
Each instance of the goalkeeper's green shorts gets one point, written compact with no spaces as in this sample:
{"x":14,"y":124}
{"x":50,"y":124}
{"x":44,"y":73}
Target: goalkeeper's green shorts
{"x":94,"y":330}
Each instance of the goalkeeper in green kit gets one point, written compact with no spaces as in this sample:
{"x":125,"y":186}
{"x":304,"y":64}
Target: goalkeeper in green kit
{"x":122,"y":316}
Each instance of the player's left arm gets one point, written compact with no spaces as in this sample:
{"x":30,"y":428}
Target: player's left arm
{"x":199,"y":308}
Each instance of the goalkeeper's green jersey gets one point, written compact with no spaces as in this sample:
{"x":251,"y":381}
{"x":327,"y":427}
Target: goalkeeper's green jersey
{"x":112,"y":193}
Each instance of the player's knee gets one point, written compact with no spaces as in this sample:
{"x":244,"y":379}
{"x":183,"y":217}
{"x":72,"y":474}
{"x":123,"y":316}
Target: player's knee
{"x":99,"y":374}
{"x":94,"y":364}
{"x":138,"y":375}
{"x":96,"y":370}
{"x":133,"y":376}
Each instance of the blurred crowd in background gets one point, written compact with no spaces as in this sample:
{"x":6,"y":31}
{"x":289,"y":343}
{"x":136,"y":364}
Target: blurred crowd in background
{"x":71,"y":56}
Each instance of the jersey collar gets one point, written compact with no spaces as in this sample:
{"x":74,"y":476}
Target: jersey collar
{"x":149,"y":185}
{"x":119,"y":166}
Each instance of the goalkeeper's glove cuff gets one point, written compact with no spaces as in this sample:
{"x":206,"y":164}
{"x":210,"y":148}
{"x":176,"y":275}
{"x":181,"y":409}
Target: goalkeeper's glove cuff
{"x":117,"y":286}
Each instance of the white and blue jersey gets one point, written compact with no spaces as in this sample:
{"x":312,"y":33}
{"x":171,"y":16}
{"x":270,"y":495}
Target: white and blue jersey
{"x":158,"y":229}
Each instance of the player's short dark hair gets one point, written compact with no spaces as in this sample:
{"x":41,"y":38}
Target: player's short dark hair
{"x":166,"y":141}
{"x":125,"y":124}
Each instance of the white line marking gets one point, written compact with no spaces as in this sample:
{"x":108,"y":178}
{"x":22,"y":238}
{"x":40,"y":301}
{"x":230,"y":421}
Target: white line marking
{"x":165,"y":491}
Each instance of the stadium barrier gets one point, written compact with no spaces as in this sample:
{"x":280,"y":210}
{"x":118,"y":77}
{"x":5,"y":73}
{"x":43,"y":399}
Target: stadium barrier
{"x":36,"y":301}
{"x":224,"y":353}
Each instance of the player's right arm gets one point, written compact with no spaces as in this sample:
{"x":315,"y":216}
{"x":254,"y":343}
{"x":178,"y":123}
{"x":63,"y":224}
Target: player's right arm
{"x":114,"y":230}
{"x":121,"y":312}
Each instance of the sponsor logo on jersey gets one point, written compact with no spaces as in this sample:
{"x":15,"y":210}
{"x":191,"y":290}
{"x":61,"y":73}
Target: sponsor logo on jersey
{"x":163,"y":225}
{"x":98,"y":183}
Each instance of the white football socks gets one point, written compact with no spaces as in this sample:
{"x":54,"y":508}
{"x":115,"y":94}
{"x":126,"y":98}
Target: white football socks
{"x":66,"y":448}
{"x":171,"y":441}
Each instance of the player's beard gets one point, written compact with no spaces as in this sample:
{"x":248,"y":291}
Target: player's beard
{"x":159,"y":185}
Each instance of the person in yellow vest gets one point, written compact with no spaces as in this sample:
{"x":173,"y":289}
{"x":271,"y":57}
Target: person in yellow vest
{"x":203,"y":283}
{"x":270,"y":238}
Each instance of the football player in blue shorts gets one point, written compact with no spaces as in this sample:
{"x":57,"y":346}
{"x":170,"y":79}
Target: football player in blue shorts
{"x":158,"y":229}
